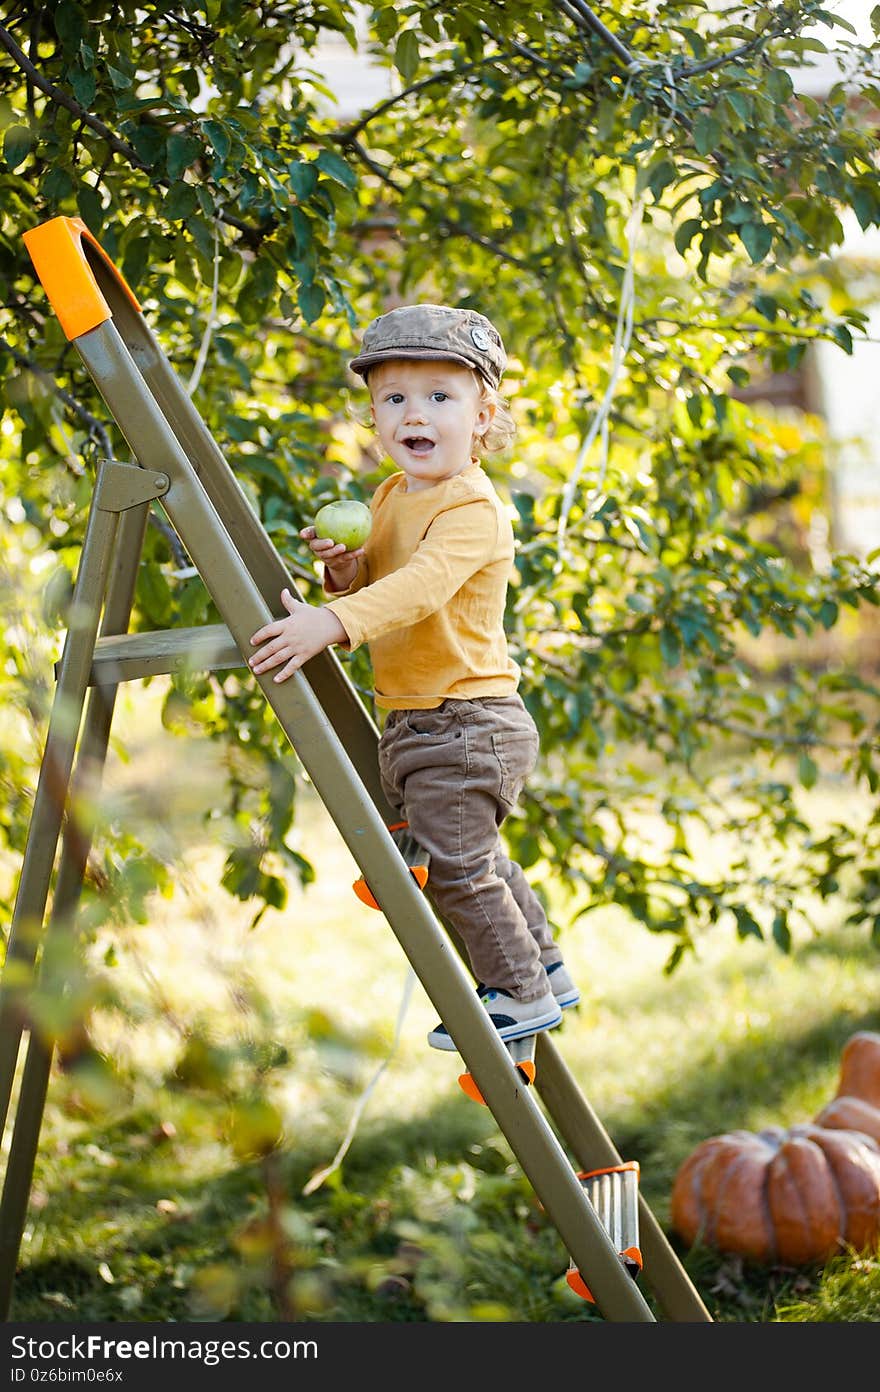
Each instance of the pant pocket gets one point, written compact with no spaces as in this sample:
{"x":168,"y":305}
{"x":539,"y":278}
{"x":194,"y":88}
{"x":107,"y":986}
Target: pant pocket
{"x":517,"y":754}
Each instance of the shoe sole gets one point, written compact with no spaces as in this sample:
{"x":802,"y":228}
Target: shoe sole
{"x":506,"y":1035}
{"x":568,"y":999}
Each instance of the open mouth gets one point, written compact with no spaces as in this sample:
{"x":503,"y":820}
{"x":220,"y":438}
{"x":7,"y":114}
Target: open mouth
{"x":419,"y":444}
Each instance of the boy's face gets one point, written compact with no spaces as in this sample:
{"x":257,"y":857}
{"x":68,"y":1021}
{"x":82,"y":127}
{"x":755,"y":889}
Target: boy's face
{"x":427,"y":415}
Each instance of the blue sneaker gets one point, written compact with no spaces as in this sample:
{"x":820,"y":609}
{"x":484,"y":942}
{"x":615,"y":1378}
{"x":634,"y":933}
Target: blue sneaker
{"x":513,"y":1019}
{"x":562,"y":985}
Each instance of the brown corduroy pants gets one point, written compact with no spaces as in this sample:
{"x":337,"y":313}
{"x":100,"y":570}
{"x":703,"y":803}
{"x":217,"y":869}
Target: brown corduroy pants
{"x":454,"y":773}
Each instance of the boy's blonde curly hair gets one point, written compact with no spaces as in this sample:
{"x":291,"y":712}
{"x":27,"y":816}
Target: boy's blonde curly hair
{"x":502,"y":428}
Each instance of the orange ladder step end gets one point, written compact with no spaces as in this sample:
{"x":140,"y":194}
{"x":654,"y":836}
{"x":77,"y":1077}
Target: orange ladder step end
{"x":526,"y":1070}
{"x":579,"y":1286}
{"x":366,"y":896}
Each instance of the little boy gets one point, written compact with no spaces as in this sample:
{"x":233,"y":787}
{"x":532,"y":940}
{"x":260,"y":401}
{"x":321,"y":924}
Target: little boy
{"x":427,"y":594}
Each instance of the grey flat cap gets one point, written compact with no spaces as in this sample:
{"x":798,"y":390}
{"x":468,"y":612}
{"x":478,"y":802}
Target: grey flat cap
{"x":428,"y":331}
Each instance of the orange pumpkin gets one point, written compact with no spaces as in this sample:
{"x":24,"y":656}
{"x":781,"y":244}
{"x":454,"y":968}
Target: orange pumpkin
{"x":856,"y":1105}
{"x":794,"y":1197}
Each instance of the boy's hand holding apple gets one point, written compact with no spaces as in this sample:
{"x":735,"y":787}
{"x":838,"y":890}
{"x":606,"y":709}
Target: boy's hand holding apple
{"x":337,"y":540}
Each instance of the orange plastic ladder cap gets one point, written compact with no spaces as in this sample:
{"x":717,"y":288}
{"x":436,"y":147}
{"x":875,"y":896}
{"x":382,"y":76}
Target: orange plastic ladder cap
{"x":55,"y":247}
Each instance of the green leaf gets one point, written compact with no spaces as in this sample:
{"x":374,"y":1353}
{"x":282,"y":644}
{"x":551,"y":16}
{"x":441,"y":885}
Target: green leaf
{"x":406,"y":54}
{"x":302,"y":230}
{"x":206,"y":201}
{"x":757,"y":238}
{"x":180,"y":152}
{"x":56,"y":186}
{"x":90,"y":208}
{"x":263,"y":278}
{"x":685,"y":234}
{"x":69,"y":22}
{"x":303,"y":179}
{"x":781,"y":931}
{"x":767,"y":307}
{"x":670,"y":646}
{"x":387,"y":24}
{"x":180,"y":202}
{"x":336,"y":168}
{"x":580,"y":77}
{"x":828,"y":612}
{"x":119,"y":79}
{"x":219,"y":137}
{"x":780,"y":86}
{"x":746,"y":925}
{"x":17,"y":145}
{"x":136,"y":260}
{"x":707,"y":134}
{"x":807,"y":770}
{"x":149,"y":141}
{"x":84,"y":85}
{"x":661,"y":175}
{"x":841,"y":334}
{"x":742,"y":105}
{"x":865,"y":206}
{"x":310,"y":299}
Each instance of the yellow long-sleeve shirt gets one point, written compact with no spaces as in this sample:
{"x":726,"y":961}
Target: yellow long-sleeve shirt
{"x":430,"y":592}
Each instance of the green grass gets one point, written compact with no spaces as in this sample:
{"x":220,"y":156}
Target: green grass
{"x":148,"y":1200}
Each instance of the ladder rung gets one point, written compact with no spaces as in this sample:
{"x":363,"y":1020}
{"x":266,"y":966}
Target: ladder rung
{"x":133,"y":655}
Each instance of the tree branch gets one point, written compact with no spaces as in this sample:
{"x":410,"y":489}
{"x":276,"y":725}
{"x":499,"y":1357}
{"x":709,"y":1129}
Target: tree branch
{"x":352,"y":132}
{"x":56,"y":94}
{"x":585,"y":19}
{"x":455,"y":229}
{"x":95,"y":426}
{"x":98,"y":429}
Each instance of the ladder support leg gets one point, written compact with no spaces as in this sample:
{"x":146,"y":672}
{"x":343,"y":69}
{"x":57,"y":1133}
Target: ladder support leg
{"x":76,"y":845}
{"x":590,"y":1142}
{"x":53,"y":785}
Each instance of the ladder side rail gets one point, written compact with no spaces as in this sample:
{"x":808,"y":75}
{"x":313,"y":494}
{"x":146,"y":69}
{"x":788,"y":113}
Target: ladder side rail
{"x":323,"y":754}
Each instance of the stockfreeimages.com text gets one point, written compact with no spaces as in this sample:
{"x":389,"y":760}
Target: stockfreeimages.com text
{"x":211,"y":1352}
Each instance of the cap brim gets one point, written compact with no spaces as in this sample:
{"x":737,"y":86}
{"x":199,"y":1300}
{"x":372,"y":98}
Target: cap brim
{"x":363,"y":364}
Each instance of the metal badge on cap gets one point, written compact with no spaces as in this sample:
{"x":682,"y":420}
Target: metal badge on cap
{"x":481,"y":339}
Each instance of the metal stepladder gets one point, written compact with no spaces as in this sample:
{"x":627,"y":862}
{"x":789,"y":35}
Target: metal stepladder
{"x":177,"y":463}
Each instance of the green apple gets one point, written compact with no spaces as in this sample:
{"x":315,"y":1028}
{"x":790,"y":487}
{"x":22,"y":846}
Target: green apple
{"x":347,"y":523}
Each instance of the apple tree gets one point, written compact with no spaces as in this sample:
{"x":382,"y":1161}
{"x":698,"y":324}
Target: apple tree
{"x":651,"y":210}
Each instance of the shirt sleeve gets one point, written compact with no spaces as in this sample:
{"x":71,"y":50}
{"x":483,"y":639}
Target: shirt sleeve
{"x":362,"y":577}
{"x":457,"y":543}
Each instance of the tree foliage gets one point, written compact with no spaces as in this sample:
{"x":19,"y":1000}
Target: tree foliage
{"x":652,"y":213}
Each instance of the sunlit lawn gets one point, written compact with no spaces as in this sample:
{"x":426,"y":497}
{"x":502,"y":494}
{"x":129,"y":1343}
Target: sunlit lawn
{"x":133,"y":1219}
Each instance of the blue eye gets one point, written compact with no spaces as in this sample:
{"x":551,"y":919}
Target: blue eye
{"x":395,"y":398}
{"x":439,"y":395}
